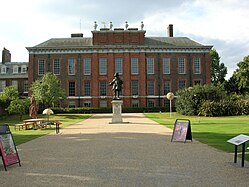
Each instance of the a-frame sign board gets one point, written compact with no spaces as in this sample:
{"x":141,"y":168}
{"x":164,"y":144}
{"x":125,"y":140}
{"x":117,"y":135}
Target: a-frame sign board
{"x":8,"y":150}
{"x":182,"y":130}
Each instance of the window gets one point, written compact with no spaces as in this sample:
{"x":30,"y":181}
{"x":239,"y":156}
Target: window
{"x":181,"y":65}
{"x":71,"y":89}
{"x":87,"y":103}
{"x":41,"y":67}
{"x":150,"y":65}
{"x":56,"y":66}
{"x":87,"y":88}
{"x":166,"y":87}
{"x":25,"y":86}
{"x":134,"y":66}
{"x":197,"y":65}
{"x":135,"y":103}
{"x":151,"y":103}
{"x":87,"y":66}
{"x":3,"y":69}
{"x":197,"y":82}
{"x":181,"y":84}
{"x":134,"y":87}
{"x":71,"y":66}
{"x":166,"y":65}
{"x":15,"y":69}
{"x":2,"y":85}
{"x":102,"y":88}
{"x":151,"y":87}
{"x":14,"y":83}
{"x":102,"y":66}
{"x":71,"y":104}
{"x":24,"y":69}
{"x":103,"y":104}
{"x":119,"y":65}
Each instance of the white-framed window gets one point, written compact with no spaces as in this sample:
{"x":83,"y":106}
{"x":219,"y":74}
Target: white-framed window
{"x":41,"y":67}
{"x":166,"y":65}
{"x":15,"y":69}
{"x":102,"y":66}
{"x":102,"y":103}
{"x":135,"y":103}
{"x":14,"y":83}
{"x":72,"y":104}
{"x":87,"y":66}
{"x":151,"y":103}
{"x":71,"y":88}
{"x":3,"y":70}
{"x":197,"y":65}
{"x":2,"y":85}
{"x":119,"y":65}
{"x":56,"y":67}
{"x":150,"y":66}
{"x":102,"y":88}
{"x":71,"y":66}
{"x":87,"y":88}
{"x":181,"y":65}
{"x":151,"y":87}
{"x":134,"y":87}
{"x":134,"y":66}
{"x":166,"y":87}
{"x":23,"y":69}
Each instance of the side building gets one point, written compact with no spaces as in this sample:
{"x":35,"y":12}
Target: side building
{"x":149,"y":66}
{"x":13,"y":74}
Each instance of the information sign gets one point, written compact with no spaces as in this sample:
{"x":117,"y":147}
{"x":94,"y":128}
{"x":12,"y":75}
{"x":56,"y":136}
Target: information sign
{"x":182,"y":130}
{"x":7,"y":147}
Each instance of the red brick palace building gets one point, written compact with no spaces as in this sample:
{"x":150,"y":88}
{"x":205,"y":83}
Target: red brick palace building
{"x":149,"y":66}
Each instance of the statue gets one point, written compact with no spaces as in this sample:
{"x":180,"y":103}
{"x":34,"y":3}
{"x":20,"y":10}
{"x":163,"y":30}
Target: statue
{"x":142,"y":25}
{"x":95,"y":25}
{"x":111,"y":25}
{"x":126,"y":25}
{"x":116,"y":86}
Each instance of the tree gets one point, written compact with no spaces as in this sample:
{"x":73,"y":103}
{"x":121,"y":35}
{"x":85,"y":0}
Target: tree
{"x":9,"y":94}
{"x":48,"y":90}
{"x":19,"y":106}
{"x":218,"y":70}
{"x":242,"y":75}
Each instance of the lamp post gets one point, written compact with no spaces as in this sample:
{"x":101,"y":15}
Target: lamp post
{"x":170,"y":96}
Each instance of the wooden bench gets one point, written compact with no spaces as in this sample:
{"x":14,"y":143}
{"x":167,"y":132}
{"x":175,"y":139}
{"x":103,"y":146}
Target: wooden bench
{"x":21,"y":125}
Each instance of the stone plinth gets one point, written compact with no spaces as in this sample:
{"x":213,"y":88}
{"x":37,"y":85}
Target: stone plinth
{"x":117,"y":111}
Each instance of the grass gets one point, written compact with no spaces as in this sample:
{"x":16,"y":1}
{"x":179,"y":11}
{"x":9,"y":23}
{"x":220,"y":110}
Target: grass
{"x":214,"y":131}
{"x":23,"y":136}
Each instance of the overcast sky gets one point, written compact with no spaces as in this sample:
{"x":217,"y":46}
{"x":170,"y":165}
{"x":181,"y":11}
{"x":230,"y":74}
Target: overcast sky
{"x":221,"y":23}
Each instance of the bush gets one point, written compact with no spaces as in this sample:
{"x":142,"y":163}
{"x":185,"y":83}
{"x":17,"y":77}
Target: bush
{"x":190,"y":100}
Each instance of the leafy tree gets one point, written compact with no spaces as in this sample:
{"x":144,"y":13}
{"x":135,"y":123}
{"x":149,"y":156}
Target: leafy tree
{"x":242,"y":75}
{"x":218,"y":70}
{"x":190,"y":100}
{"x":9,"y":94}
{"x":48,"y":90}
{"x":19,"y":106}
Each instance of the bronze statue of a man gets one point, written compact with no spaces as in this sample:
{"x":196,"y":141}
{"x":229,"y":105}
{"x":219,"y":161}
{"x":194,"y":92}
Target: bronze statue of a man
{"x":116,"y":86}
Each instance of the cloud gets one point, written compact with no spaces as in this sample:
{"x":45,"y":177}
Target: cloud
{"x":222,"y":23}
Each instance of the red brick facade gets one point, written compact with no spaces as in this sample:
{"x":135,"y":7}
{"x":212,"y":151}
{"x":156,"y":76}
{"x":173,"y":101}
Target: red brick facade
{"x":124,"y":45}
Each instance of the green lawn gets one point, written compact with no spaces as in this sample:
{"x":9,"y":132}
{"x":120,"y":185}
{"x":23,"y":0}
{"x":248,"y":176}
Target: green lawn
{"x":214,"y":131}
{"x":23,"y":136}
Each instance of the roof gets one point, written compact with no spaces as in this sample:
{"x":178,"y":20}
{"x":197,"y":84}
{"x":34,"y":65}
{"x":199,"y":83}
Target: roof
{"x":149,"y":41}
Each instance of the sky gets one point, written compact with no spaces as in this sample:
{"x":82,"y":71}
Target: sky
{"x":220,"y":23}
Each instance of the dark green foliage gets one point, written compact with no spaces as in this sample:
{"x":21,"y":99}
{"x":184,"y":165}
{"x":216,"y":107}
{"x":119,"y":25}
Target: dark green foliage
{"x":190,"y":100}
{"x":88,"y":110}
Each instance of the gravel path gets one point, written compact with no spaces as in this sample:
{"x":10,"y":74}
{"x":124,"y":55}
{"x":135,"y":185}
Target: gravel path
{"x":138,"y":153}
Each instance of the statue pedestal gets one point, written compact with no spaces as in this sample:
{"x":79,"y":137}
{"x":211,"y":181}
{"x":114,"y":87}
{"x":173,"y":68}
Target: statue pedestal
{"x":117,"y":111}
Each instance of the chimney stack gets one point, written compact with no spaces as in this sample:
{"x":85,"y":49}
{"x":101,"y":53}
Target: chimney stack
{"x":6,"y":56}
{"x":170,"y":30}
